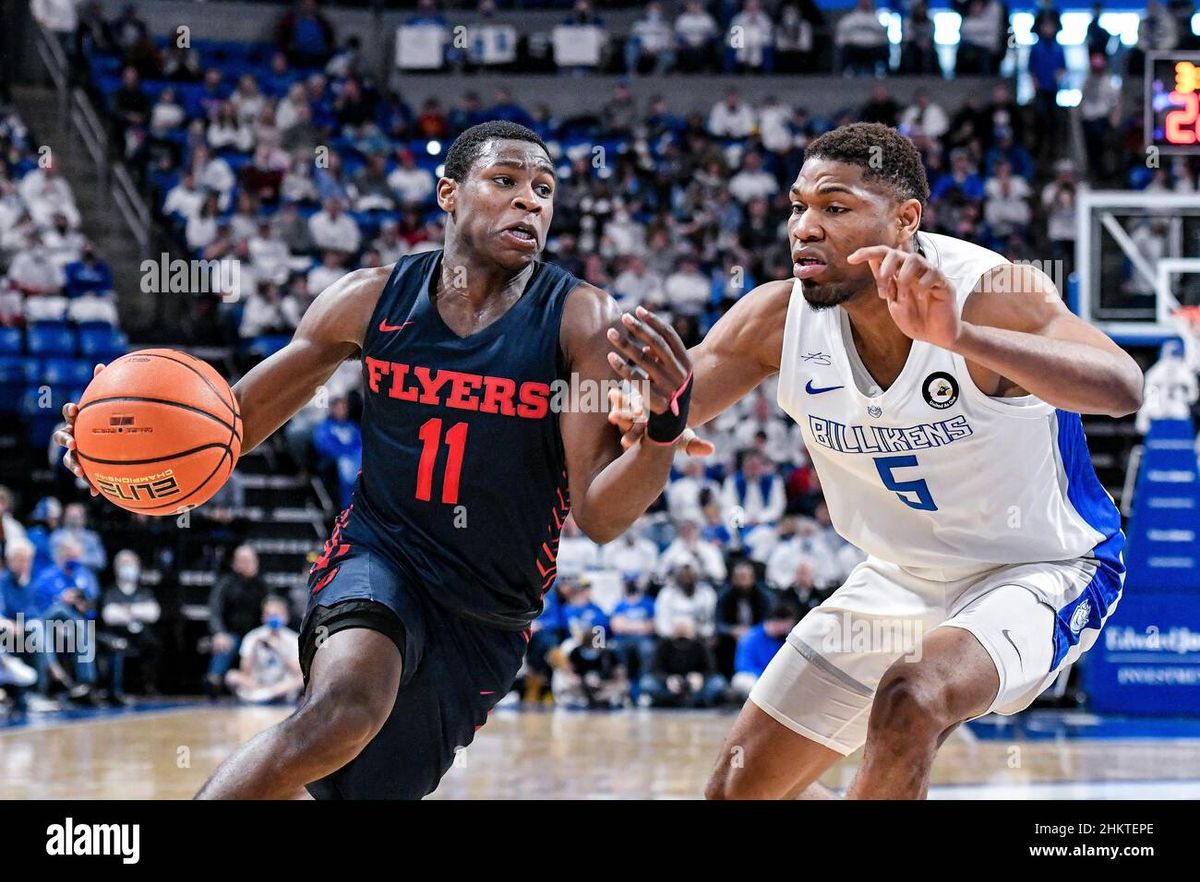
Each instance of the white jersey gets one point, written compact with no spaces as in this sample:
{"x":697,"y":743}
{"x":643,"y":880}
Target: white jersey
{"x":932,"y":474}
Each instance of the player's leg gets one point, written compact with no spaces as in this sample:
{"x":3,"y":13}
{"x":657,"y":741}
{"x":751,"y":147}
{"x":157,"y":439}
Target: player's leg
{"x":763,"y":759}
{"x":917,"y":704}
{"x":351,"y":690}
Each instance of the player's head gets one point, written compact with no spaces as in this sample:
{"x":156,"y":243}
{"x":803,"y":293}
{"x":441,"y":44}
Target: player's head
{"x":498,"y":188}
{"x":861,"y":184}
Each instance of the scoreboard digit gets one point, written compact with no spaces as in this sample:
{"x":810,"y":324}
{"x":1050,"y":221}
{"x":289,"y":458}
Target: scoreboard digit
{"x":1172,"y":111}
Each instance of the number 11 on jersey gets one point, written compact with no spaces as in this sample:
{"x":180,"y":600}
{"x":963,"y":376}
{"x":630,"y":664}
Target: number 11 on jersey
{"x":456,"y":442}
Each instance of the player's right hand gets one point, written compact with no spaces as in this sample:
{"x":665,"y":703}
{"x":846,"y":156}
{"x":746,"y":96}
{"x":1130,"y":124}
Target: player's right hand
{"x":65,"y":437}
{"x":627,"y":413}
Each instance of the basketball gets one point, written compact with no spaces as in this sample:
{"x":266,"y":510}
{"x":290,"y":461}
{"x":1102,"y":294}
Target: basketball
{"x":158,"y":432}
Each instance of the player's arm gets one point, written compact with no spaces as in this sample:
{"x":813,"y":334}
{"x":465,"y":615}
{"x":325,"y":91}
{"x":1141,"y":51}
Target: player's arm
{"x":1027,"y":336}
{"x":1014,"y":325}
{"x":331,"y":331}
{"x":611,"y":488}
{"x":739,"y":351}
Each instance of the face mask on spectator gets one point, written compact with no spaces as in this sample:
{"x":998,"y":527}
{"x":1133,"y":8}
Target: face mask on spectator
{"x":128,"y":575}
{"x":275,"y":622}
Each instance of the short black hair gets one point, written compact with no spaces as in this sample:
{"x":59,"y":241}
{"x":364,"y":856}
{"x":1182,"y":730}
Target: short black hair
{"x":783,"y":609}
{"x":467,"y":146}
{"x":881,"y":152}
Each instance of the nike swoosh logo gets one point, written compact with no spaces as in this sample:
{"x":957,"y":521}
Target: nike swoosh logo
{"x":1008,"y":637}
{"x":813,"y":390}
{"x":385,"y":328}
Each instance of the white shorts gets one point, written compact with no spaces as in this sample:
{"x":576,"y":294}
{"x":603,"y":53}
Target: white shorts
{"x":1032,"y":619}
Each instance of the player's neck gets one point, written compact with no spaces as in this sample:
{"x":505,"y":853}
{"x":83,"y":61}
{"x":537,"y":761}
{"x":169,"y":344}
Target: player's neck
{"x":480,"y":283}
{"x":872,"y":327}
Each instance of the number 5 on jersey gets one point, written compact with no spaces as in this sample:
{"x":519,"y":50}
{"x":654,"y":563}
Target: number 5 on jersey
{"x":887,"y":465}
{"x":456,"y":443}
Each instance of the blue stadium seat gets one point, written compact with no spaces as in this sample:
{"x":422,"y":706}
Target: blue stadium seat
{"x":50,"y":338}
{"x":12,"y":342}
{"x":101,"y":340}
{"x":266,"y":345}
{"x":66,"y":372}
{"x":12,"y":383}
{"x":41,"y":406}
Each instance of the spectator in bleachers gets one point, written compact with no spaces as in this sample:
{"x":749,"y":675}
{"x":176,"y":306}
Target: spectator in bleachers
{"x":741,"y":604}
{"x":185,"y":199}
{"x":213,"y":173}
{"x":200,"y":230}
{"x":89,"y":286}
{"x":632,"y":553}
{"x":234,"y":610}
{"x":75,"y":526}
{"x":389,"y":244}
{"x":981,"y":34}
{"x":10,"y":528}
{"x":412,"y":184}
{"x":1003,"y":114}
{"x":651,"y":42}
{"x":882,"y":108}
{"x":305,"y":35}
{"x":333,"y":228}
{"x":226,"y":131}
{"x":918,"y":52}
{"x":803,"y":588}
{"x":801,"y":541}
{"x":370,"y":188}
{"x":753,"y":181}
{"x":683,"y":674}
{"x":687,"y":290}
{"x":636,"y":284}
{"x":686,"y":595}
{"x":754,"y":493}
{"x":506,"y":108}
{"x":66,"y":593}
{"x":269,"y":660}
{"x":731,"y":117}
{"x":61,"y":18}
{"x":181,"y":64}
{"x":43,"y":521}
{"x":925,"y":116}
{"x":331,"y":268}
{"x":1157,"y":32}
{"x":40,"y":280}
{"x":588,"y":673}
{"x":46,"y":193}
{"x":1018,"y":157}
{"x":130,"y":612}
{"x":758,"y":645}
{"x":764,"y":418}
{"x":1047,"y":67}
{"x":696,"y":35}
{"x":337,"y":443}
{"x":130,"y":101}
{"x":264,"y":312}
{"x":751,"y":36}
{"x":1100,"y":97}
{"x":17,"y":594}
{"x":685,"y":493}
{"x":63,"y":244}
{"x":127,"y":28}
{"x":1058,"y":203}
{"x":1006,"y":206}
{"x":632,"y":626}
{"x":689,"y":548}
{"x":960,"y":181}
{"x":576,"y":552}
{"x":861,"y":40}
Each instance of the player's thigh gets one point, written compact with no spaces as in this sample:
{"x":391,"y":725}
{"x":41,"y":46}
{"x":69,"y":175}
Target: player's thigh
{"x":764,"y":759}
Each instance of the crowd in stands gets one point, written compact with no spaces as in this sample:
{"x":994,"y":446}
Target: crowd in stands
{"x":79,"y":629}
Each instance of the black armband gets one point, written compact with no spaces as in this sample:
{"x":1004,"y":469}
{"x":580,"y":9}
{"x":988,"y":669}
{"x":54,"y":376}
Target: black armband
{"x":665,"y":428}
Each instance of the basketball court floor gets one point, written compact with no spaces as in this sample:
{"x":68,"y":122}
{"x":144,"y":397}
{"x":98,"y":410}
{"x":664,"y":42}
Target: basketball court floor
{"x":167,"y":750}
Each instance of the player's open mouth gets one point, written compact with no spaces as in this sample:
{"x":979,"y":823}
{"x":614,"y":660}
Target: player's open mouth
{"x":522,"y":233}
{"x":807,"y":267}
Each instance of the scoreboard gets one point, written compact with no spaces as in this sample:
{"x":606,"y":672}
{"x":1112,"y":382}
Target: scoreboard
{"x":1172,"y":111}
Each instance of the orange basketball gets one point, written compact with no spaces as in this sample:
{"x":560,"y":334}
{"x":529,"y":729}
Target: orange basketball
{"x":158,"y":432}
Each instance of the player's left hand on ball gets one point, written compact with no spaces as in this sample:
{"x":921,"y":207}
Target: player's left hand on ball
{"x":918,"y":295}
{"x":65,"y":437}
{"x":651,"y":355}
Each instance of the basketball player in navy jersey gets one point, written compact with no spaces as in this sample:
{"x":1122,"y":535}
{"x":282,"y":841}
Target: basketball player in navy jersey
{"x":421,"y":601}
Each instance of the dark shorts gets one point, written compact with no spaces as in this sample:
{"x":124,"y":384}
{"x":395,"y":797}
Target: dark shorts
{"x":455,"y":670}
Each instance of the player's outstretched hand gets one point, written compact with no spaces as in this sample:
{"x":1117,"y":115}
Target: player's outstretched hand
{"x":919,"y":297}
{"x":66,"y":437}
{"x":625,"y":411}
{"x":651,"y":355}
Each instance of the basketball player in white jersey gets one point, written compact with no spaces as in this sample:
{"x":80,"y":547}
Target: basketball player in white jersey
{"x":939,"y":388}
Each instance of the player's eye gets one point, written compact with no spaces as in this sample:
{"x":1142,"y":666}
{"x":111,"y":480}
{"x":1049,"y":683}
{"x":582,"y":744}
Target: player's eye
{"x":503,"y":180}
{"x":797,"y":209}
{"x":545,"y":190}
{"x":837,"y":209}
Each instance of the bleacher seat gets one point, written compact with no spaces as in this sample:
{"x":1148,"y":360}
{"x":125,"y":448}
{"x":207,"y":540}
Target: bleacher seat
{"x":50,"y":338}
{"x":12,"y":383}
{"x":41,"y":406}
{"x":12,"y":341}
{"x":101,"y":340}
{"x":66,"y":372}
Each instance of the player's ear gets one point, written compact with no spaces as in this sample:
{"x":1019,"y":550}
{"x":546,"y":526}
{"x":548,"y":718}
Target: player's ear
{"x":908,"y":219}
{"x":447,"y":194}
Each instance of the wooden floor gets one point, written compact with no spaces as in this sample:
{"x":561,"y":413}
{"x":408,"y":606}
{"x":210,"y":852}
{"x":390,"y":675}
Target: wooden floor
{"x":559,"y":754}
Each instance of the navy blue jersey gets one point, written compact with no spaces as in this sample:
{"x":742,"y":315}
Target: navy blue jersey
{"x":464,"y":481}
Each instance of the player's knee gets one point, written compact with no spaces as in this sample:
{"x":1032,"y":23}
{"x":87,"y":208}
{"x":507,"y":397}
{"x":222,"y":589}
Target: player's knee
{"x":729,"y":780}
{"x":344,"y":718}
{"x":909,"y":706}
